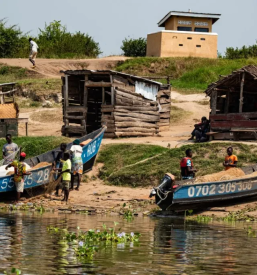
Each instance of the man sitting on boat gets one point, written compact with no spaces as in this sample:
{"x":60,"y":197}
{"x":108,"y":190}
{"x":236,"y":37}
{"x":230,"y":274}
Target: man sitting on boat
{"x":9,"y":150}
{"x":230,"y":160}
{"x":187,"y":167}
{"x":19,"y":174}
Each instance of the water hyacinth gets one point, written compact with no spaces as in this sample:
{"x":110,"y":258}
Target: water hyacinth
{"x":87,"y":243}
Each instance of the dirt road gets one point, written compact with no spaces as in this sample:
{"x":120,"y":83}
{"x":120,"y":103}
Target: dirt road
{"x":52,"y":67}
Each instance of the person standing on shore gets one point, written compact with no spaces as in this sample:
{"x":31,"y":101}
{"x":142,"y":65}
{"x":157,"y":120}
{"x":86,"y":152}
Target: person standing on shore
{"x":187,"y":167}
{"x":77,"y":163}
{"x":19,"y":174}
{"x":33,"y":52}
{"x":9,"y":150}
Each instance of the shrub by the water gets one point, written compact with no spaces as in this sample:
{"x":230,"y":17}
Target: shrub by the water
{"x":134,"y":47}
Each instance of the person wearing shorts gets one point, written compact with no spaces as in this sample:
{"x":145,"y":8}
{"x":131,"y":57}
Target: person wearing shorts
{"x":33,"y":52}
{"x":66,"y":175}
{"x":19,"y":174}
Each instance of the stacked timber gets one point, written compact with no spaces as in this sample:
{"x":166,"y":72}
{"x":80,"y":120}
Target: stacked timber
{"x":131,"y":116}
{"x":164,"y":101}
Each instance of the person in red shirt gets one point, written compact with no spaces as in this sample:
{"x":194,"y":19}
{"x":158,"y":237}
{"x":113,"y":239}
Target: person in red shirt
{"x":187,"y":167}
{"x":230,"y":160}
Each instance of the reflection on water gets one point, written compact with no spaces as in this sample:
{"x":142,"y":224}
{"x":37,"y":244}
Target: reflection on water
{"x":167,"y":246}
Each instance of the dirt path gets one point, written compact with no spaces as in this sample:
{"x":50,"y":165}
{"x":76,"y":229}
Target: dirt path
{"x":52,"y":67}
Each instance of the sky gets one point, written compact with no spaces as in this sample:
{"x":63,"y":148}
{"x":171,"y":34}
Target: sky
{"x":110,"y":21}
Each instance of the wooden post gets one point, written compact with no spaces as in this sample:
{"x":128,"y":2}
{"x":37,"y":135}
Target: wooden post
{"x":85,"y":92}
{"x":103,"y":95}
{"x":1,"y":96}
{"x":27,"y":132}
{"x":227,"y":102}
{"x":112,"y":91}
{"x":241,"y":100}
{"x":214,"y":96}
{"x":66,"y":101}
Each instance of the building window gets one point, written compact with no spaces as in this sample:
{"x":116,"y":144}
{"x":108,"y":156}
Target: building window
{"x":182,"y":22}
{"x":185,"y":29}
{"x":198,"y":46}
{"x":180,"y":45}
{"x":202,"y":38}
{"x":189,"y":38}
{"x":201,"y":30}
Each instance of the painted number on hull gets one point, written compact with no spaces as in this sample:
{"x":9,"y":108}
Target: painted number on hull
{"x":224,"y":188}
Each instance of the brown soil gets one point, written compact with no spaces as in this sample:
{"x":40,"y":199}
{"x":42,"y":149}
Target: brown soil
{"x":52,"y":67}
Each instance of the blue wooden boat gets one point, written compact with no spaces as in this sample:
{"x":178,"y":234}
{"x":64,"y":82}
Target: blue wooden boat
{"x":171,"y":195}
{"x":41,"y":176}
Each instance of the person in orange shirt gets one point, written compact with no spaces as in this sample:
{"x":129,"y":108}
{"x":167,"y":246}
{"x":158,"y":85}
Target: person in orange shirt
{"x":230,"y":160}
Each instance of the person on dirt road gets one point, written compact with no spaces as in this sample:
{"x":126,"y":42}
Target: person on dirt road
{"x":33,"y":52}
{"x":9,"y":150}
{"x":187,"y":167}
{"x":19,"y":174}
{"x":230,"y":160}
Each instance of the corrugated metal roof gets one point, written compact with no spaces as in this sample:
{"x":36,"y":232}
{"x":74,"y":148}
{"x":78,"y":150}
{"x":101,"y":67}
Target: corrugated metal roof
{"x":133,"y":77}
{"x":215,"y":17}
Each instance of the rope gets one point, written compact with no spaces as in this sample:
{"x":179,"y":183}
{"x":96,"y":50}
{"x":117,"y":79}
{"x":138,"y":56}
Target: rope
{"x":165,"y":195}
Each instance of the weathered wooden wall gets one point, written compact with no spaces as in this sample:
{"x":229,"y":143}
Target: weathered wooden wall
{"x":164,"y":100}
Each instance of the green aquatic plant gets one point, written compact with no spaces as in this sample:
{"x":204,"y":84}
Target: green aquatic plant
{"x":87,"y":243}
{"x":14,"y":270}
{"x":251,"y":232}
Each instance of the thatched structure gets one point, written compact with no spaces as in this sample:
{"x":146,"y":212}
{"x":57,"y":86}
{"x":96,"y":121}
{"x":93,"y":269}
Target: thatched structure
{"x":128,"y":105}
{"x":233,"y":101}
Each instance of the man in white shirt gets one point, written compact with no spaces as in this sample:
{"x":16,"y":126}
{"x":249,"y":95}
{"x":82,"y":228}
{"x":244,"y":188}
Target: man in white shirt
{"x":33,"y":52}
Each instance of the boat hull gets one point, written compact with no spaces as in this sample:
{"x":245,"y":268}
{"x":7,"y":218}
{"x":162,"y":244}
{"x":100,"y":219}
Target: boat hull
{"x":41,"y":176}
{"x":193,"y":194}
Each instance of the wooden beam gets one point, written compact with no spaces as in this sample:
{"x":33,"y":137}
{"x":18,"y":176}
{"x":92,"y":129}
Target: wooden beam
{"x":92,"y":84}
{"x":112,"y":91}
{"x":103,"y":95}
{"x":214,"y":102}
{"x":227,"y":102}
{"x":241,"y":100}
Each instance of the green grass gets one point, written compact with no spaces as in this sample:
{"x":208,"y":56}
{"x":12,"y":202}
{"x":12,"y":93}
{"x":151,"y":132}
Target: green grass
{"x":34,"y":146}
{"x":178,"y":114}
{"x":189,"y":75}
{"x":207,"y":158}
{"x":28,"y":79}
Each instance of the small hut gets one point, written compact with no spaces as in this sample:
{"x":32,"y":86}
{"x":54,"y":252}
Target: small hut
{"x":233,"y":102}
{"x":128,"y":105}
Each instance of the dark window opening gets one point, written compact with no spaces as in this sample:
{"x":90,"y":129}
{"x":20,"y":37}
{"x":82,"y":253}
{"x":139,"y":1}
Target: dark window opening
{"x":201,"y":30}
{"x":190,"y":38}
{"x":198,"y":46}
{"x":180,"y":45}
{"x":185,"y":29}
{"x":202,"y":38}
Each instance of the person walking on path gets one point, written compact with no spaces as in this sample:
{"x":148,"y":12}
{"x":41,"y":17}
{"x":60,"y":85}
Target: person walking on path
{"x":9,"y":150}
{"x":33,"y":52}
{"x":77,"y":163}
{"x":19,"y":174}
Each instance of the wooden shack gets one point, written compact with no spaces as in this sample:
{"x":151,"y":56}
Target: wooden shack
{"x":233,"y":102}
{"x":128,"y":105}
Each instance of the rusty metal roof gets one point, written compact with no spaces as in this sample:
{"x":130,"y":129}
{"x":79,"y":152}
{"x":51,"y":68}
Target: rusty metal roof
{"x":233,"y":79}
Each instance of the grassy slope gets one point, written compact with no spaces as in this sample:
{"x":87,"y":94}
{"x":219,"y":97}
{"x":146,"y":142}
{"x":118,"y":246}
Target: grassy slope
{"x":34,"y":146}
{"x":28,"y":79}
{"x":189,"y":74}
{"x":208,"y":158}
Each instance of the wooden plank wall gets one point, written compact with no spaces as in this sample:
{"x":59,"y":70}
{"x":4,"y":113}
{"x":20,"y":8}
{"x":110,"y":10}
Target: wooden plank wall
{"x":164,"y":100}
{"x":131,"y":115}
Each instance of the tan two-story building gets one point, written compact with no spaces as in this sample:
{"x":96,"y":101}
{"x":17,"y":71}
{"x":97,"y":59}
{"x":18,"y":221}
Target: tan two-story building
{"x":185,"y":34}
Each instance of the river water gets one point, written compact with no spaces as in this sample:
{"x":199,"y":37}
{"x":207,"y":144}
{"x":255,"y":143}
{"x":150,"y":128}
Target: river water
{"x":167,"y":246}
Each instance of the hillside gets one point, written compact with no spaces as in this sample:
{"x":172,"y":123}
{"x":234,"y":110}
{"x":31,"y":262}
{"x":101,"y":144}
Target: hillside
{"x":189,"y":75}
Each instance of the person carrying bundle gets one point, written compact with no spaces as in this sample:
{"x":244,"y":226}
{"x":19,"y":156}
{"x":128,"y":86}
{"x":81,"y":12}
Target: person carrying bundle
{"x":19,"y":174}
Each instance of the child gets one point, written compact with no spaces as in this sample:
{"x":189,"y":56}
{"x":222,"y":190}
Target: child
{"x":66,"y":175}
{"x":230,"y":160}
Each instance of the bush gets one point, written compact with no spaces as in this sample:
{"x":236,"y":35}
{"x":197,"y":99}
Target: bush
{"x":134,"y":47}
{"x":54,"y":41}
{"x":244,"y":52}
